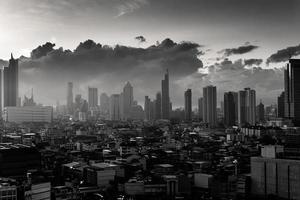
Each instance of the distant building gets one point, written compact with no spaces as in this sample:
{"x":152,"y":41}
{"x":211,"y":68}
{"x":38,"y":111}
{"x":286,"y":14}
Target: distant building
{"x":292,"y":90}
{"x":115,"y":107}
{"x":147,"y":108}
{"x":70,"y":98}
{"x":127,"y":100}
{"x":29,"y":101}
{"x":246,"y":107}
{"x":210,"y":105}
{"x":229,"y":109}
{"x":261,"y":112}
{"x":165,"y":98}
{"x":280,"y":106}
{"x":11,"y":82}
{"x":92,"y":97}
{"x":188,"y":105}
{"x":158,"y":106}
{"x":28,"y":114}
{"x":136,"y":112}
{"x":200,"y":108}
{"x":104,"y":103}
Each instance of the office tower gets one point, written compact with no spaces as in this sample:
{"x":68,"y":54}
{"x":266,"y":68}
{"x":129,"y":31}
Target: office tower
{"x":92,"y":97}
{"x":246,"y":107}
{"x":70,"y":98}
{"x":11,"y":82}
{"x":210,"y":105}
{"x":165,"y":98}
{"x":188,"y":105}
{"x":200,"y":108}
{"x":261,"y":112}
{"x":104,"y":103}
{"x":158,"y":106}
{"x":152,"y":110}
{"x":292,"y":91}
{"x":147,"y":108}
{"x":127,"y":100}
{"x":280,"y":106}
{"x":229,"y":109}
{"x":115,"y":107}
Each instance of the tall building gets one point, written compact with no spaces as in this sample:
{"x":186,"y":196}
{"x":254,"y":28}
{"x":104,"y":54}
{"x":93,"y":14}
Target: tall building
{"x":158,"y":106}
{"x":70,"y":98}
{"x":165,"y":98}
{"x":246,"y":107}
{"x":210,"y":105}
{"x":292,"y":91}
{"x":261,"y":112}
{"x":280,"y":106}
{"x":127,"y":99}
{"x":200,"y":108}
{"x":11,"y":83}
{"x":92,"y":97}
{"x":147,"y":108}
{"x":188,"y":105}
{"x":115,"y":107}
{"x":229,"y":108}
{"x":104,"y":103}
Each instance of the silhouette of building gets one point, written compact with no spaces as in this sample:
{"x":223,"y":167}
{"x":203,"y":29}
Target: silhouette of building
{"x":229,"y":109}
{"x":92,"y":97}
{"x":158,"y":106}
{"x":127,"y":99}
{"x":11,"y":82}
{"x":261,"y":112}
{"x":210,"y":105}
{"x":292,"y":90}
{"x":70,"y":98}
{"x":200,"y":108}
{"x":280,"y":105}
{"x":115,"y":107}
{"x":246,"y":107}
{"x":147,"y":108}
{"x":165,"y":98}
{"x":29,"y":101}
{"x":188,"y":105}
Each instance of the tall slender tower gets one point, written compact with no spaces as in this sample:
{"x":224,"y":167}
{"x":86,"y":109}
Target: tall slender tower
{"x":165,"y":99}
{"x":229,"y":108}
{"x":188,"y":105}
{"x":127,"y":100}
{"x":70,"y":98}
{"x":246,"y":107}
{"x":147,"y":108}
{"x":92,"y":97}
{"x":200,"y":108}
{"x":210,"y":105}
{"x":158,"y":106}
{"x":11,"y":82}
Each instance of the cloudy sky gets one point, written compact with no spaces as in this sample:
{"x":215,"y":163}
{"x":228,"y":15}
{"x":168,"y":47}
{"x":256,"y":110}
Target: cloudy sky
{"x":228,"y":43}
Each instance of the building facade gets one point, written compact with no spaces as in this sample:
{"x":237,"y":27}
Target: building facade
{"x":188,"y":105}
{"x":210,"y":105}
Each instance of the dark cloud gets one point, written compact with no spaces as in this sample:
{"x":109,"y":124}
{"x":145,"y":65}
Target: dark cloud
{"x":43,"y":50}
{"x":140,"y":38}
{"x":284,"y":54}
{"x":108,"y":67}
{"x":239,"y":50}
{"x":253,"y":61}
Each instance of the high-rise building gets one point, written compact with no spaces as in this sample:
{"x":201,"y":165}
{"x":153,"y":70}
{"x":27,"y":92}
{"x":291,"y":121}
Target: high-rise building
{"x":115,"y":107}
{"x":92,"y":97}
{"x":188,"y":105}
{"x":147,"y":108}
{"x":200,"y":108}
{"x":292,"y":91}
{"x":229,"y":109}
{"x":152,"y":110}
{"x":165,"y":98}
{"x":158,"y":106}
{"x":210,"y":105}
{"x":280,"y":106}
{"x":246,"y":107}
{"x":104,"y":103}
{"x":261,"y":112}
{"x":70,"y":98}
{"x":127,"y":100}
{"x":11,"y":83}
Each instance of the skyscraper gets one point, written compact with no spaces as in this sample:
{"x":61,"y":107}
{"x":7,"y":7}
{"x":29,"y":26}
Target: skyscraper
{"x":70,"y":98}
{"x":229,"y":108}
{"x":200,"y":108}
{"x":280,"y":106}
{"x":11,"y":82}
{"x":92,"y":97}
{"x":127,"y":100}
{"x":261,"y":112}
{"x":158,"y":106}
{"x":147,"y":108}
{"x":165,"y":98}
{"x":246,"y":107}
{"x":188,"y":105}
{"x":210,"y":105}
{"x":115,"y":107}
{"x":292,"y":91}
{"x":104,"y":103}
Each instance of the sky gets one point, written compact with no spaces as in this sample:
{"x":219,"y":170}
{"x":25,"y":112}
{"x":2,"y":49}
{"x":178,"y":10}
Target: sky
{"x":228,"y":43}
